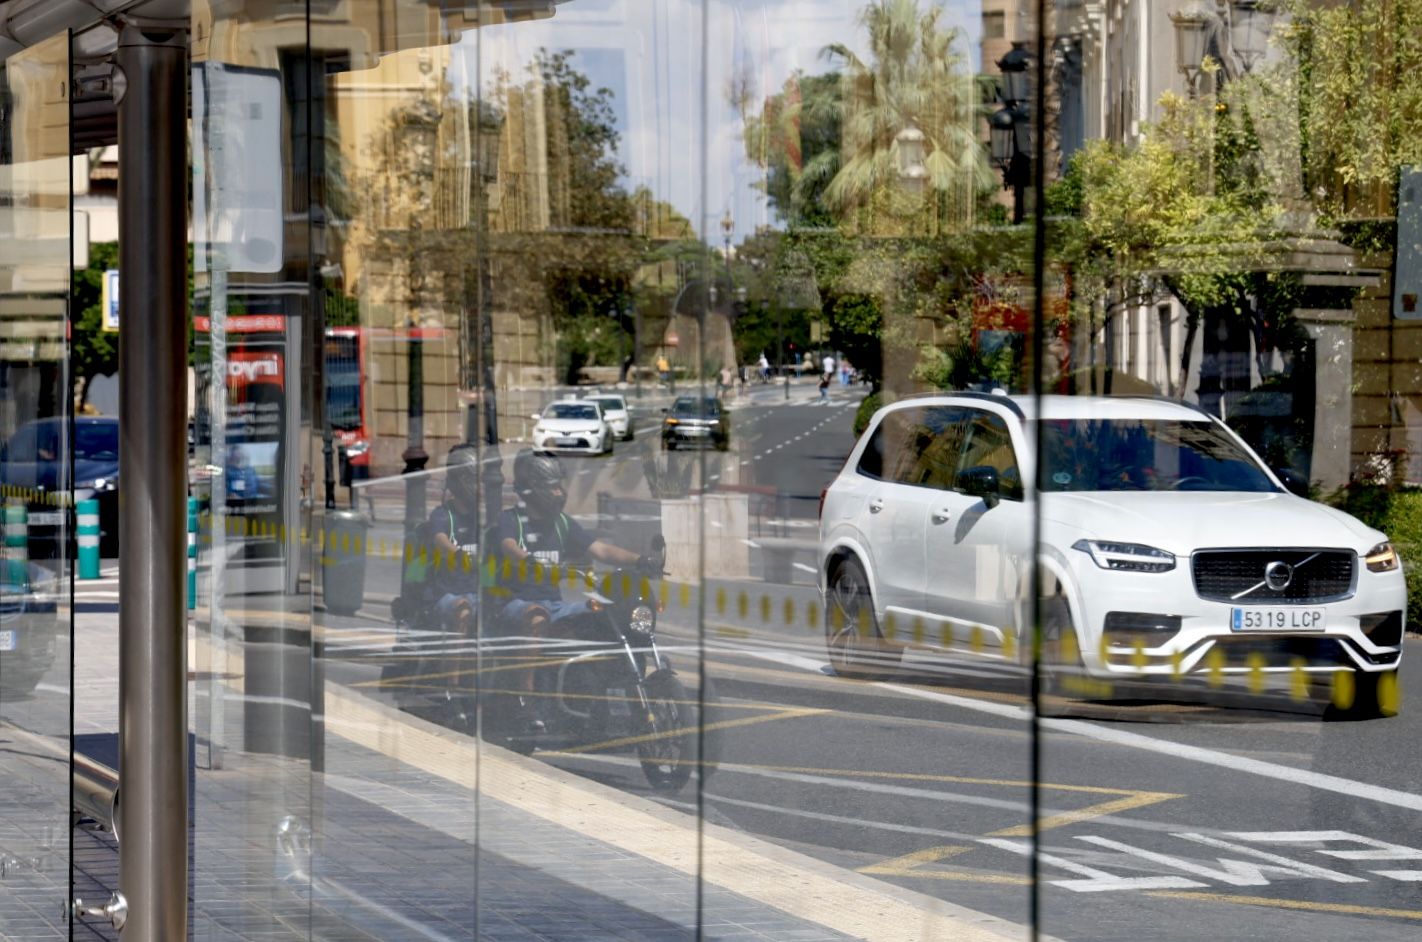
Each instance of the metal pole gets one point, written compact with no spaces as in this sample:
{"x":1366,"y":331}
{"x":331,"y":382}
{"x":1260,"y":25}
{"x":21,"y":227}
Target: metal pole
{"x":152,"y":117}
{"x":414,"y":455}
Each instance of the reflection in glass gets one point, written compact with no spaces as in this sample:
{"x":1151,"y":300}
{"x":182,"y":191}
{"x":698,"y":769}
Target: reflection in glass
{"x":36,"y":482}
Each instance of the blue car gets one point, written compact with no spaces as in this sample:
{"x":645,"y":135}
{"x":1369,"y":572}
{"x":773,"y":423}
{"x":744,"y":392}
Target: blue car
{"x":32,"y":465}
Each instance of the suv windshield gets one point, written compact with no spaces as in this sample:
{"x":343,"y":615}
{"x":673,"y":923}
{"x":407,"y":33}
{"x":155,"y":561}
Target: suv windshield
{"x":610,"y":405}
{"x":690,"y":405}
{"x":572,"y":410}
{"x":1146,"y":455}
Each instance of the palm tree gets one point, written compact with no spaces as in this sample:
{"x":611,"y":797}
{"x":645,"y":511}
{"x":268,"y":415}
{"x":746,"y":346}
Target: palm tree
{"x":917,"y":76}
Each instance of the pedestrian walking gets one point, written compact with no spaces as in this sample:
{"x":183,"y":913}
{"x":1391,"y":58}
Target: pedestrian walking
{"x":723,"y":381}
{"x":764,"y":369}
{"x":844,"y":370}
{"x":824,"y":387}
{"x":827,"y":365}
{"x":664,"y":369}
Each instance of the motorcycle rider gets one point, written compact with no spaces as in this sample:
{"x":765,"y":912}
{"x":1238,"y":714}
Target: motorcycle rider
{"x":454,"y":533}
{"x":534,"y":537}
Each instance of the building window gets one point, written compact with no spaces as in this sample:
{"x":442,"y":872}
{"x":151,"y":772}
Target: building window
{"x":994,"y":25}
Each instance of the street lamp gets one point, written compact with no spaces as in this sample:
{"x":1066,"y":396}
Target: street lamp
{"x":1010,"y":127}
{"x":1251,"y":22}
{"x":1237,"y":31}
{"x":910,"y":146}
{"x":1192,"y":34}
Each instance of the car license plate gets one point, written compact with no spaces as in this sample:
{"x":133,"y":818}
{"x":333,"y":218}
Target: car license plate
{"x":7,"y":640}
{"x":569,"y":442}
{"x":1276,"y":619}
{"x":696,"y":431}
{"x":45,"y":519}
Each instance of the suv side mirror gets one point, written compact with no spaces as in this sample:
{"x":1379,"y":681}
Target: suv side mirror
{"x":1291,"y":479}
{"x":980,"y":481}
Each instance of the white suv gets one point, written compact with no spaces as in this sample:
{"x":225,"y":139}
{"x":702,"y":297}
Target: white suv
{"x":1167,"y":547}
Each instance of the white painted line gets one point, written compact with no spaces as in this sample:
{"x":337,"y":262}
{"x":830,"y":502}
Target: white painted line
{"x":751,"y":543}
{"x":1119,"y":737}
{"x":1282,"y":773}
{"x":805,"y":568}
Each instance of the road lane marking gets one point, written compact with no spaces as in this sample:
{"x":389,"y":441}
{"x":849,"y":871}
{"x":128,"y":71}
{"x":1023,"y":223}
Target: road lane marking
{"x":1283,"y":773}
{"x":1231,"y":872}
{"x":911,"y":865}
{"x":683,"y":730}
{"x":1116,"y":806}
{"x":1308,"y":905}
{"x":1097,"y":881}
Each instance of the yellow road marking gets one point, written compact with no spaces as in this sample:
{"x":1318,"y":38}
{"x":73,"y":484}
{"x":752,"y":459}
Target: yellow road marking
{"x":1309,"y":905}
{"x":911,"y":865}
{"x":703,"y":728}
{"x":1129,"y":803}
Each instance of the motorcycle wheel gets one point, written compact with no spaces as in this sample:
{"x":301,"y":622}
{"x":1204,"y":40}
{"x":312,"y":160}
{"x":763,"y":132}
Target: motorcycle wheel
{"x":669,"y":755}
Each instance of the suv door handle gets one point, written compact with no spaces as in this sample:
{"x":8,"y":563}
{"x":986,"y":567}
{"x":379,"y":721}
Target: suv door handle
{"x":941,"y":515}
{"x":876,"y":505}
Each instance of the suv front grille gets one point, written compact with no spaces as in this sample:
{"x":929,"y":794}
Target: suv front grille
{"x":1317,"y":575}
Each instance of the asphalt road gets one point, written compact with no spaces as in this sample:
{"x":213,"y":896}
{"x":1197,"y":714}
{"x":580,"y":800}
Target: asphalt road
{"x":1194,"y":813}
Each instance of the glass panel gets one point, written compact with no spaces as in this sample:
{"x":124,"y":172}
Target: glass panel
{"x":1226,"y":452}
{"x":869,"y":653}
{"x":256,"y":705}
{"x":36,"y":481}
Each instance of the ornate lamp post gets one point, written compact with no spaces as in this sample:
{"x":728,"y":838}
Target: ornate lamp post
{"x":1237,"y":33}
{"x":1010,"y":127}
{"x":911,"y":151}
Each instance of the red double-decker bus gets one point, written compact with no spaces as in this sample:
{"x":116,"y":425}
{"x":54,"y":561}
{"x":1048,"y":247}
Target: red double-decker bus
{"x":347,"y":359}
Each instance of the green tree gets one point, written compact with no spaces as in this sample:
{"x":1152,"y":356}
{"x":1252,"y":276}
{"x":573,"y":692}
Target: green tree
{"x":92,"y":350}
{"x":917,"y":76}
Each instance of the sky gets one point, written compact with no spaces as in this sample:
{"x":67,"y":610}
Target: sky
{"x":670,"y":66}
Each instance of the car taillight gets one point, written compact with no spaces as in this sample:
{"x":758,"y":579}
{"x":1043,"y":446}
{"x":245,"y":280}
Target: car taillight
{"x":823,"y":492}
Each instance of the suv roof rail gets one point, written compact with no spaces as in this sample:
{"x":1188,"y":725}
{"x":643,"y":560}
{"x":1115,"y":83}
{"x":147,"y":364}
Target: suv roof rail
{"x":1002,"y":399}
{"x":1193,"y":406}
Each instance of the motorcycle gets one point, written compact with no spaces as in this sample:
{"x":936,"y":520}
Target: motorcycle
{"x":605,"y":683}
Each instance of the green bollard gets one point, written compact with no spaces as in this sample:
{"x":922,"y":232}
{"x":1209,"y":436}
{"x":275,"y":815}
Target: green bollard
{"x":192,"y":552}
{"x":87,"y":533}
{"x":17,"y":544}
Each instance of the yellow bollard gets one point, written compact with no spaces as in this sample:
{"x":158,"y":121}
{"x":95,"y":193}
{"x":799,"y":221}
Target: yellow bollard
{"x":1256,"y":673}
{"x":1345,"y":689}
{"x":1215,"y":661}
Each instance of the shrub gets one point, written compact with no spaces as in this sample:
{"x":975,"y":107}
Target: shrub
{"x":867,"y":408}
{"x":1398,"y":513}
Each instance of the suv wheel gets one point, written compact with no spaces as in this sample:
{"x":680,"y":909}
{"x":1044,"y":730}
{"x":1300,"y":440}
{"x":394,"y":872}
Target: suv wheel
{"x":853,"y":639}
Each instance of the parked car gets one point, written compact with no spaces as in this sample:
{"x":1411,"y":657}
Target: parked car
{"x":33,"y":462}
{"x":29,"y":626}
{"x":572,"y":425}
{"x":1167,"y":547}
{"x":696,"y":420}
{"x":617,"y":413}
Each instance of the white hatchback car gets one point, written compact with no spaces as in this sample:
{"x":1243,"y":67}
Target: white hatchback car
{"x":572,"y":425}
{"x":617,"y":413}
{"x":1167,"y":547}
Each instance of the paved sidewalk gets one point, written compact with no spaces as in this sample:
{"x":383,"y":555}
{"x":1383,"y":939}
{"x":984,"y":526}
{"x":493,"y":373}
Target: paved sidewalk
{"x":415,"y":832}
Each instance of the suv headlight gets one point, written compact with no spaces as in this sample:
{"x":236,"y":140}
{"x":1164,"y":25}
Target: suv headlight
{"x":1381,"y":558}
{"x":1126,"y":557}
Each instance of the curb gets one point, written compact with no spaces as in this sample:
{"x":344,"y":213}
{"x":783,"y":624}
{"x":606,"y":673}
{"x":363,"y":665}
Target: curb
{"x":790,"y":882}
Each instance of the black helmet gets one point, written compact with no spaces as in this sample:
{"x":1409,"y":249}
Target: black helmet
{"x":462,"y":477}
{"x":538,"y":481}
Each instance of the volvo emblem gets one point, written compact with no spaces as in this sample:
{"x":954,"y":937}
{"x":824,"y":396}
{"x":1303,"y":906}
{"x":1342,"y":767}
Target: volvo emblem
{"x":1278,"y":575}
